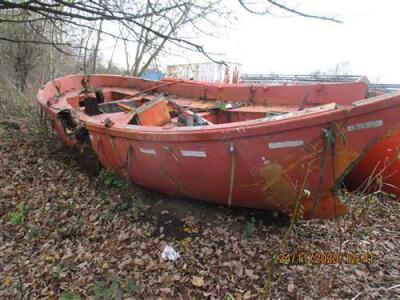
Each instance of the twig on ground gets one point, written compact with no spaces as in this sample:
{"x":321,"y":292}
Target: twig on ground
{"x":356,"y":296}
{"x":394,"y":287}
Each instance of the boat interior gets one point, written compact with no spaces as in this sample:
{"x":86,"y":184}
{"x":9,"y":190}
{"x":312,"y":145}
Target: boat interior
{"x":159,"y":109}
{"x":120,"y":105}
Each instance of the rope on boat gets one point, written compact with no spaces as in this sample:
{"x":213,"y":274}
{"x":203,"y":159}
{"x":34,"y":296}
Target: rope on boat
{"x":232,"y":177}
{"x":128,"y":162}
{"x":115,"y":152}
{"x":333,"y":156}
{"x":329,"y":144}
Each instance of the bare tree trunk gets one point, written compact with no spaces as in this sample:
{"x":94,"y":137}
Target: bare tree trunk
{"x":126,"y":58}
{"x":112,"y":56}
{"x":142,"y":44}
{"x":139,"y":72}
{"x":85,"y":52}
{"x":60,"y":57}
{"x":51,"y":55}
{"x":21,"y":73}
{"x":151,"y":58}
{"x":96,"y":49}
{"x":78,"y":60}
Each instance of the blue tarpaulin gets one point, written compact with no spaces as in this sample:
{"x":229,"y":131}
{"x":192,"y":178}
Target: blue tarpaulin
{"x":153,"y":75}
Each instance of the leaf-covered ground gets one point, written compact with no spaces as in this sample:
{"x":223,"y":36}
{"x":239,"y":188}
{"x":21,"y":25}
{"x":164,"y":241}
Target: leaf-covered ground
{"x":65,"y":232}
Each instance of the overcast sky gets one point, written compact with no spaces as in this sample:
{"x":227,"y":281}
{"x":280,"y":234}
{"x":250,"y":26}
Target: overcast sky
{"x":368,"y":39}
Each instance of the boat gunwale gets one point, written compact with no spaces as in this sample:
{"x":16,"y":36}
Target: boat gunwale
{"x":237,"y":132}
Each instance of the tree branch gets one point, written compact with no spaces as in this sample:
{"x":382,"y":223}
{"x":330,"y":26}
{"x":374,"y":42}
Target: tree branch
{"x":288,"y":9}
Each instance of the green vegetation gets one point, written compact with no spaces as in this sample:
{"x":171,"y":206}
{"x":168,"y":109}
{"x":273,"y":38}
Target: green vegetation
{"x":249,"y":228}
{"x":111,"y":180}
{"x":68,"y":296}
{"x":18,"y":216}
{"x":34,"y":232}
{"x":128,"y":203}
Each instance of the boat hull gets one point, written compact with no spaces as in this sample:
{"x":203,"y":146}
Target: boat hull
{"x":289,"y":163}
{"x":379,"y":169}
{"x":271,"y":171}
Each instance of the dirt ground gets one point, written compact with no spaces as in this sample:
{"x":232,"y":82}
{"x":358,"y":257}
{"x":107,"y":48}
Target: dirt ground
{"x":67,"y":233}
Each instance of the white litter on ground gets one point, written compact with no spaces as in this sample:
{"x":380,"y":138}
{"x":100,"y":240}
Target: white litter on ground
{"x":169,"y":253}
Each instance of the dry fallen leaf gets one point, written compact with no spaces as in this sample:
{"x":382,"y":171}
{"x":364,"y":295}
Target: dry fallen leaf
{"x":8,"y":281}
{"x":78,"y":233}
{"x":198,"y":281}
{"x":250,"y":273}
{"x":247,"y":295}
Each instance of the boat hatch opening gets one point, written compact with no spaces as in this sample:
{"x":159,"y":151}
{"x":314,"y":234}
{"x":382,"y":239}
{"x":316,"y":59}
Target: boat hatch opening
{"x":114,"y":107}
{"x":114,"y":96}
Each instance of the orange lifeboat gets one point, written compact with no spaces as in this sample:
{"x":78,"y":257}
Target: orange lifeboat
{"x":282,"y":148}
{"x":379,"y":169}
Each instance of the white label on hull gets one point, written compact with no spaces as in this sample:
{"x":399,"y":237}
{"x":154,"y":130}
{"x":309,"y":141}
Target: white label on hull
{"x":365,"y":125}
{"x":147,"y":151}
{"x":285,"y":144}
{"x":193,"y":153}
